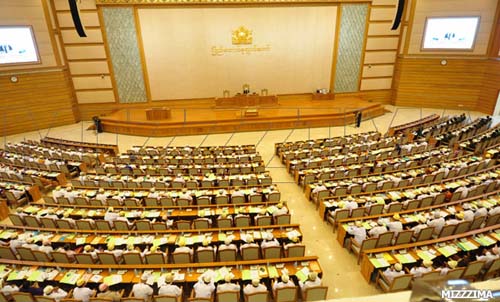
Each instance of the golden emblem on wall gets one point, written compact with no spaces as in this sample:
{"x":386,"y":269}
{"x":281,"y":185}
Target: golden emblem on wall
{"x":242,"y":35}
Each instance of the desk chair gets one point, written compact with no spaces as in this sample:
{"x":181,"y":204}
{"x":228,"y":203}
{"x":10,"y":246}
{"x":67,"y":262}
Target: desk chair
{"x":403,"y":237}
{"x":132,"y":258}
{"x":205,"y":256}
{"x":44,"y":299}
{"x":271,"y":252}
{"x":282,"y":219}
{"x":399,"y":283}
{"x":493,"y":270}
{"x":181,"y":257}
{"x":227,"y":255}
{"x":257,"y":297}
{"x":192,"y":298}
{"x":316,"y":293}
{"x":228,"y":296}
{"x":250,"y":253}
{"x":367,"y":244}
{"x":295,"y":251}
{"x":22,"y":297}
{"x":286,"y":294}
{"x":242,"y":221}
{"x":7,"y":253}
{"x":155,"y":258}
{"x":473,"y":270}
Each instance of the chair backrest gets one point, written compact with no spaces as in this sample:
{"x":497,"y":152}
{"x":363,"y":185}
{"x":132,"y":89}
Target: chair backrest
{"x":264,"y":220}
{"x":447,"y":230}
{"x":16,"y":220}
{"x":368,"y":244}
{"x":107,"y":258}
{"x":155,"y":258}
{"x":455,"y":273}
{"x":222,"y":199}
{"x":462,"y":227}
{"x":358,"y":212}
{"x":376,"y":209}
{"x":132,"y":258}
{"x":286,"y":294}
{"x":477,"y":222}
{"x":203,"y":200}
{"x":205,"y":256}
{"x":143,"y":225}
{"x":257,"y":297}
{"x":22,"y":297}
{"x":412,"y":205}
{"x":7,"y":253}
{"x":425,"y":234}
{"x":165,"y":298}
{"x":242,"y":221}
{"x":201,"y":223}
{"x":63,"y":224}
{"x":283,"y":219}
{"x":316,"y":293}
{"x":224,"y":223}
{"x":166,"y":202}
{"x":385,"y":239}
{"x":228,"y":296}
{"x":121,"y":225}
{"x":31,"y":221}
{"x":430,"y":275}
{"x":26,"y":254}
{"x":48,"y":223}
{"x":61,"y":257}
{"x":494,"y":267}
{"x":181,"y":257}
{"x":473,"y":269}
{"x":183,"y":225}
{"x":84,"y":259}
{"x":100,"y":300}
{"x":183,"y":202}
{"x":84,"y":225}
{"x":274,"y":196}
{"x":132,"y":299}
{"x":41,"y":256}
{"x":44,"y":299}
{"x":296,"y":251}
{"x":426,"y":201}
{"x":103,"y":225}
{"x":272,"y":252}
{"x":250,"y":253}
{"x":395,"y":207}
{"x":227,"y":255}
{"x":400,"y":283}
{"x":237,"y":199}
{"x":404,"y":237}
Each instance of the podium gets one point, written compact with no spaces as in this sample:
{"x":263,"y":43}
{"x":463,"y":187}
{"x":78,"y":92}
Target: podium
{"x":155,"y":114}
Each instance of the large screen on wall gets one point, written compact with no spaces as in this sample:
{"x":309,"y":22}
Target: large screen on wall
{"x":18,"y":45}
{"x":450,"y":33}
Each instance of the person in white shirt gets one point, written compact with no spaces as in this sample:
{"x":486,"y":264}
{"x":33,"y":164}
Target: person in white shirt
{"x":228,"y":245}
{"x":204,"y":288}
{"x":358,"y":231}
{"x":395,"y":226}
{"x":186,"y":195}
{"x":142,"y":290}
{"x":205,"y":246}
{"x":117,"y":252}
{"x":15,"y":242}
{"x":494,"y":211}
{"x":30,"y":244}
{"x":282,"y":209}
{"x":350,"y":204}
{"x":182,"y":248}
{"x":249,"y":242}
{"x":285,"y":282}
{"x":269,"y":241}
{"x":438,"y":222}
{"x":70,"y":220}
{"x":122,"y":217}
{"x":57,"y":192}
{"x":392,"y":272}
{"x":70,"y":195}
{"x":228,"y":286}
{"x":180,"y":179}
{"x":8,"y":288}
{"x":452,"y":264}
{"x":376,"y":231}
{"x":82,"y":292}
{"x":319,"y":187}
{"x":481,"y":212}
{"x":418,"y":271}
{"x":254,"y":287}
{"x":101,"y":196}
{"x":169,"y":288}
{"x":46,"y":247}
{"x":312,"y":281}
{"x":54,"y":292}
{"x":51,"y":214}
{"x":153,"y":193}
{"x":111,"y":215}
{"x":488,"y":256}
{"x":237,"y":192}
{"x":88,"y":249}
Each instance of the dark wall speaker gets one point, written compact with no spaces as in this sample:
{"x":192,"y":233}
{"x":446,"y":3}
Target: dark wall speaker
{"x":399,"y":14}
{"x":75,"y":15}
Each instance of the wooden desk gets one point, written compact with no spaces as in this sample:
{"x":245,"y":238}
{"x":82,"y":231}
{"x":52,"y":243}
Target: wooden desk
{"x":155,"y":114}
{"x":251,"y":100}
{"x":323,"y":96}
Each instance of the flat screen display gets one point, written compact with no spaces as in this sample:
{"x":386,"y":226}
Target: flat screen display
{"x":450,"y":33}
{"x":17,"y":45}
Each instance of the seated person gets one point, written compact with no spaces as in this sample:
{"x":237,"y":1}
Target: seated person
{"x":104,"y":292}
{"x":452,"y":264}
{"x":249,"y":242}
{"x":394,"y":271}
{"x":54,"y":292}
{"x":204,"y":288}
{"x":488,"y":256}
{"x":111,"y":215}
{"x":285,"y":282}
{"x":269,"y":241}
{"x":294,"y":241}
{"x":282,"y":209}
{"x":378,"y":230}
{"x":395,"y":226}
{"x":358,"y":231}
{"x":228,"y":285}
{"x":438,"y":222}
{"x":169,"y":289}
{"x":418,"y":271}
{"x":117,"y":252}
{"x":254,"y":287}
{"x":81,"y":292}
{"x":142,"y":290}
{"x":182,"y":248}
{"x":8,"y":288}
{"x":228,"y":245}
{"x":205,"y":246}
{"x":312,"y":281}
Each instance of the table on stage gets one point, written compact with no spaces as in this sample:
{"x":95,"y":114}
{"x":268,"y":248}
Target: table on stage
{"x":247,"y":100}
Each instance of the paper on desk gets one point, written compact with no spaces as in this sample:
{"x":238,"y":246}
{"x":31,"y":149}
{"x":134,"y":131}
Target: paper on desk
{"x":70,"y":278}
{"x":292,"y":234}
{"x":485,"y":240}
{"x":379,"y":262}
{"x":302,"y":274}
{"x":37,"y":276}
{"x":405,"y":258}
{"x":80,"y":240}
{"x":113,"y":279}
{"x":426,"y":255}
{"x":467,"y":246}
{"x":249,"y":274}
{"x":447,"y":251}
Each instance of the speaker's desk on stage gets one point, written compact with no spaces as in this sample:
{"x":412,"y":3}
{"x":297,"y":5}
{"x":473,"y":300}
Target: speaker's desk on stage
{"x":247,"y":100}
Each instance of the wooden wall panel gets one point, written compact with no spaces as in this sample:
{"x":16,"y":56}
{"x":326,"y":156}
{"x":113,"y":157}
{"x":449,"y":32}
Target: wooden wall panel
{"x":104,"y":96}
{"x":92,"y":82}
{"x":85,"y":52}
{"x":378,"y":71}
{"x":490,"y":88}
{"x":63,"y":4}
{"x":422,"y":82}
{"x":70,"y":36}
{"x":382,"y":13}
{"x":89,"y":18}
{"x":85,"y":68}
{"x":376,"y":84}
{"x":379,"y":29}
{"x":382,"y":43}
{"x":37,"y":101}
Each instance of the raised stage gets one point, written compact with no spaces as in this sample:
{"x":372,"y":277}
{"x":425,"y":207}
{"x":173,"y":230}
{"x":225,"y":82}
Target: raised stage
{"x":297,"y":113}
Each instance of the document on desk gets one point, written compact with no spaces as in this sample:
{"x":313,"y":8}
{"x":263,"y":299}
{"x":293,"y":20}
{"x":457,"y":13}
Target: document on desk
{"x":447,"y":251}
{"x":249,"y":274}
{"x":379,"y":262}
{"x":467,"y":246}
{"x":405,"y":258}
{"x":113,"y":279}
{"x":272,"y":271}
{"x":426,"y":255}
{"x":302,"y":274}
{"x":485,"y":240}
{"x":71,"y":278}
